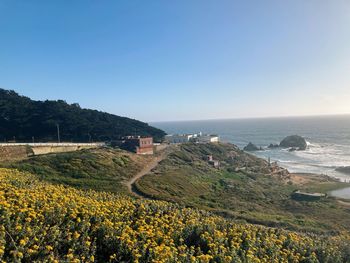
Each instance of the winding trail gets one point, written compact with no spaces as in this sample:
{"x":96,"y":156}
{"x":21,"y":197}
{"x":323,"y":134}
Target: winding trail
{"x":146,"y":170}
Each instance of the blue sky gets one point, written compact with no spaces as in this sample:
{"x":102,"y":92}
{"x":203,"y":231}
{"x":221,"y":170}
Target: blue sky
{"x":180,"y":60}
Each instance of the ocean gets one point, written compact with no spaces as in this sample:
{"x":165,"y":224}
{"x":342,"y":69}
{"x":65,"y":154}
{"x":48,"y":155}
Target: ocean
{"x":328,"y":139}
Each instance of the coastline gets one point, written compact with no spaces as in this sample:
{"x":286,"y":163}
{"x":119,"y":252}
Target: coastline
{"x":328,"y":140}
{"x":323,"y":183}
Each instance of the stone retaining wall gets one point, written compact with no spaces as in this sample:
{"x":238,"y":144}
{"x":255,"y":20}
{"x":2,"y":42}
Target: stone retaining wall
{"x":18,"y":151}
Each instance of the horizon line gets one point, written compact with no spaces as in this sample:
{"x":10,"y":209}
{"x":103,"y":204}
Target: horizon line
{"x":252,"y":118}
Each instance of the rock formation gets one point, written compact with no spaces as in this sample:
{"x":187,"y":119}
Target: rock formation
{"x":294,"y":141}
{"x":272,"y":146}
{"x":251,"y":147}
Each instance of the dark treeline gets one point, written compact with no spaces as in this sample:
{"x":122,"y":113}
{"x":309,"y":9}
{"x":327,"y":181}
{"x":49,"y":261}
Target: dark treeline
{"x":23,"y":119}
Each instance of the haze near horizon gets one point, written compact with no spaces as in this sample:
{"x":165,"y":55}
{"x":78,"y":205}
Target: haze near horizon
{"x":183,"y":60}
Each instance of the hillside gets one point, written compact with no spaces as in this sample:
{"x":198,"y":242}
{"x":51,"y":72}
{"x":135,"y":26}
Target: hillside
{"x":100,"y":169}
{"x":243,"y":188}
{"x":40,"y":222}
{"x":22,"y":118}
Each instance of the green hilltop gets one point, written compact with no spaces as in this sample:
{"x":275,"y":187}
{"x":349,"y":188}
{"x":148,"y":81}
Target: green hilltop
{"x":22,"y":119}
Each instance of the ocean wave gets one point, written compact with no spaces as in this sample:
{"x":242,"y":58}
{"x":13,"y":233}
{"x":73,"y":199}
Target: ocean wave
{"x":305,"y":164}
{"x":285,"y":161}
{"x":315,"y":149}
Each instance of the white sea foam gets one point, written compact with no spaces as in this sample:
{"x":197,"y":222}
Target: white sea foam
{"x":328,"y":139}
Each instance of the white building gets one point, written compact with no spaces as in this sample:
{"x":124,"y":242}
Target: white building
{"x":179,"y":138}
{"x":192,"y":137}
{"x":208,"y":138}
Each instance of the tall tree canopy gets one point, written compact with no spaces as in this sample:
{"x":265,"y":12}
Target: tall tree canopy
{"x":22,"y":118}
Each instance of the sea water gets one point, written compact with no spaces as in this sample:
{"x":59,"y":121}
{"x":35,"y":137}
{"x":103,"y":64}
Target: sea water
{"x":328,"y":139}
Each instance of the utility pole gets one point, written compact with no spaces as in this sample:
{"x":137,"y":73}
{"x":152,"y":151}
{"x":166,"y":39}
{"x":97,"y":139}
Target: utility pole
{"x":58,"y":133}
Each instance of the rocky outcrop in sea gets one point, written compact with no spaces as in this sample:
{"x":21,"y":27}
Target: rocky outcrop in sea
{"x":251,"y":147}
{"x":294,"y":142}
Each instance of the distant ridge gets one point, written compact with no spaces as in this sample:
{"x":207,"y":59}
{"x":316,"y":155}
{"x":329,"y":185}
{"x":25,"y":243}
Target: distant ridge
{"x":23,"y":119}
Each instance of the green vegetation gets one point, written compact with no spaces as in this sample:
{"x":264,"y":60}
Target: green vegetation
{"x":41,"y":222}
{"x":243,"y":188}
{"x":98,"y":169}
{"x":22,"y":118}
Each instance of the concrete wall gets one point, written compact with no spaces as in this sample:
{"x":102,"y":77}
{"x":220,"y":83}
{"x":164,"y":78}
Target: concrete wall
{"x":38,"y":150}
{"x":160,"y":147}
{"x":95,"y":144}
{"x":13,"y":151}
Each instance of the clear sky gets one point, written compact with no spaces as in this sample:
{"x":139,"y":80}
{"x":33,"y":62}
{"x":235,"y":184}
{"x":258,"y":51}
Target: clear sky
{"x":180,"y":60}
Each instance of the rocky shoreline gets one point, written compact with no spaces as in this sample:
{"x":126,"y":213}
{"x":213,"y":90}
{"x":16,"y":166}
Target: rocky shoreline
{"x":292,"y":143}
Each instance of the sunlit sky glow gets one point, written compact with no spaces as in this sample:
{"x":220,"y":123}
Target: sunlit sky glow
{"x":180,"y":60}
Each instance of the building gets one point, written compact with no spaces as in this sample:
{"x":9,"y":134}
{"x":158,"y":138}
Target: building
{"x":215,"y":163}
{"x":211,"y":161}
{"x":181,"y":138}
{"x":208,"y":138}
{"x":139,"y":145}
{"x":192,"y":137}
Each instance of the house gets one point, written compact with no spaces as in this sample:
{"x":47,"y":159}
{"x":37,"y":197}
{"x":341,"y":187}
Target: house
{"x":139,"y":145}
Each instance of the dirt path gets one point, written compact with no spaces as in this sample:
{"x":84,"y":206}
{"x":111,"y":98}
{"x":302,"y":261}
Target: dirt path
{"x":147,"y":169}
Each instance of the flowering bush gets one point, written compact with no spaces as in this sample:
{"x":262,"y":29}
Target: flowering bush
{"x":52,"y":223}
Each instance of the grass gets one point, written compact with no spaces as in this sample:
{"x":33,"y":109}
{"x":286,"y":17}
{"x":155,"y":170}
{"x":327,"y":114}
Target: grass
{"x":252,"y":195}
{"x":248,"y":194}
{"x":98,"y":169}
